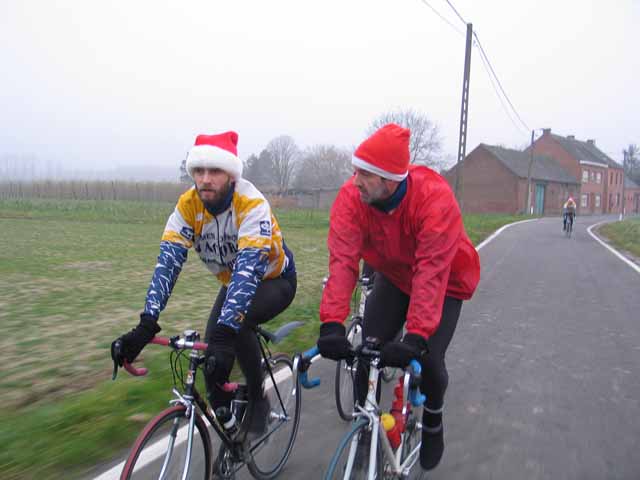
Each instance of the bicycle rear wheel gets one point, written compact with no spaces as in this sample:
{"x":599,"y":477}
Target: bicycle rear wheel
{"x":345,"y":375}
{"x":267,"y":454}
{"x":160,"y":451}
{"x":351,"y":459}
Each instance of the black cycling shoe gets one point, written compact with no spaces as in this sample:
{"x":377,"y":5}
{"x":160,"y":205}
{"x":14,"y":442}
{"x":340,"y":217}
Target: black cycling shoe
{"x":432,"y":440}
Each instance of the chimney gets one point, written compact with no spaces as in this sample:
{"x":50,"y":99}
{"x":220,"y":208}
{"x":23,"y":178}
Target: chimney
{"x":546,"y":131}
{"x":591,"y":141}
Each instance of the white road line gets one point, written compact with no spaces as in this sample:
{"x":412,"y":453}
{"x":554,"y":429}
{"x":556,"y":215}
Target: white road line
{"x":499,"y":231}
{"x":611,"y":249}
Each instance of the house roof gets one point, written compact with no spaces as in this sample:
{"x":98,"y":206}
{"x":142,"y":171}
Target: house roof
{"x":544,"y":167}
{"x":585,"y":151}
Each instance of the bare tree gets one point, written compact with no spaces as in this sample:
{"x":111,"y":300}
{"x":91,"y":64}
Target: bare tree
{"x":425,"y":144}
{"x":184,"y":175}
{"x":632,"y":162}
{"x":259,"y":170}
{"x":323,"y":166}
{"x":284,"y":153}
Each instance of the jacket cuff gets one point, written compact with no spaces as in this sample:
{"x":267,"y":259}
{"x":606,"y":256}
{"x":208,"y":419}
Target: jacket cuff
{"x":332,"y":328}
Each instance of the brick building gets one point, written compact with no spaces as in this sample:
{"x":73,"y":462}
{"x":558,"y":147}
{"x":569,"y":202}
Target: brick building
{"x":494,"y":179}
{"x":601,"y":178}
{"x":632,"y":197}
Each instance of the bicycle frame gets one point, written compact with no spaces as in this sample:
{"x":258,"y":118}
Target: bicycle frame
{"x":371,"y":412}
{"x":191,"y":398}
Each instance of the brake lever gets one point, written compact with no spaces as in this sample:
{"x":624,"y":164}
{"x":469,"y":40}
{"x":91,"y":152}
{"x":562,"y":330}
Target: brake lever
{"x":116,"y":353}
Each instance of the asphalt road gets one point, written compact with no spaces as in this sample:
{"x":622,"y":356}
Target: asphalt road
{"x":543,"y":367}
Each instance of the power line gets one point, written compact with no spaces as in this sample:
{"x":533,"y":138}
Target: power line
{"x":456,"y":12}
{"x":486,"y":63}
{"x":444,"y":19}
{"x":517,"y":126}
{"x":483,"y":53}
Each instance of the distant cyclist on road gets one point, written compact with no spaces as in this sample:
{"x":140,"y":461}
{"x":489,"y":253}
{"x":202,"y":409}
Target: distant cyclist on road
{"x":568,"y":213}
{"x":230,"y":225}
{"x":404,"y":221}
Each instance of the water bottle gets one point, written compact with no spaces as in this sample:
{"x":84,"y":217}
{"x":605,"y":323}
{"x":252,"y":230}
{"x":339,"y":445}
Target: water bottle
{"x":392,"y":428}
{"x":239,"y":402}
{"x":394,"y":419}
{"x":228,"y":420}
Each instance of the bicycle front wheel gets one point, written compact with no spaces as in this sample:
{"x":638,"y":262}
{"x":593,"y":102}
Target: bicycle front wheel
{"x":161,"y":451}
{"x":269,"y":452}
{"x":412,"y":440}
{"x":351,"y":459}
{"x":345,"y":376}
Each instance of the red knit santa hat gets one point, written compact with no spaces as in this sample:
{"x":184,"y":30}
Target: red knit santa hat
{"x":216,"y":151}
{"x":385,"y":153}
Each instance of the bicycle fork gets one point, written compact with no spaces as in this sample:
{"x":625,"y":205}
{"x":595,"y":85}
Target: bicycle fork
{"x":187,"y":400}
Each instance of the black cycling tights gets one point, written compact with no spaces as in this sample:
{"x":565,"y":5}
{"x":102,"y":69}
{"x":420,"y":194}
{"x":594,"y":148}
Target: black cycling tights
{"x":272,"y":297}
{"x":384,"y":316}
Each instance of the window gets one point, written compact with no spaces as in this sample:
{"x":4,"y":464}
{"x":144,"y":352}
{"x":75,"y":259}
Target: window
{"x":610,"y":178}
{"x":584,"y":200}
{"x":592,"y":176}
{"x":597,"y":200}
{"x":598,"y":177}
{"x":585,"y":176}
{"x":617,"y":199}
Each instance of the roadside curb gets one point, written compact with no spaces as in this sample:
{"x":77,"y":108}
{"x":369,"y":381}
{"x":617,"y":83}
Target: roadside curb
{"x":617,"y":253}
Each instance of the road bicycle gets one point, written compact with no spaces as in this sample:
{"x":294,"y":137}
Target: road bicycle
{"x":369,"y":451}
{"x":171,"y":444}
{"x":345,"y":372}
{"x":569,"y":227}
{"x":568,"y":224}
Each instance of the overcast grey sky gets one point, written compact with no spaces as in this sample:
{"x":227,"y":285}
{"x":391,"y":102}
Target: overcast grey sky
{"x":92,"y":83}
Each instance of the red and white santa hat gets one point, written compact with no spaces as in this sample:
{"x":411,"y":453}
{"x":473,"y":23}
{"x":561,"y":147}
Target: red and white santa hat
{"x":385,"y":153}
{"x":216,"y":151}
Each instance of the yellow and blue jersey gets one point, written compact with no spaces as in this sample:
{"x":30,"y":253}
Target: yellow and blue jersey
{"x":241,"y":245}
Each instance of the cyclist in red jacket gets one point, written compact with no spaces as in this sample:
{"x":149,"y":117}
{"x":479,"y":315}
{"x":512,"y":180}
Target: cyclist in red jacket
{"x":404,"y":221}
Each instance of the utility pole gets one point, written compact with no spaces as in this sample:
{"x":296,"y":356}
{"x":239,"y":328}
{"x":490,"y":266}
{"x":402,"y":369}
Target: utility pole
{"x":464,"y":110}
{"x":528,"y":205}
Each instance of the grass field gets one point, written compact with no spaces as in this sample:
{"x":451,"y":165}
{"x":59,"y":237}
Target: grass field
{"x":624,"y":235}
{"x":73,"y":276}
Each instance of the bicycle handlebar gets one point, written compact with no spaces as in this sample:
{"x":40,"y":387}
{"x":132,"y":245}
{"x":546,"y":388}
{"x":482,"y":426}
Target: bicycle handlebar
{"x":302,"y":362}
{"x":416,"y":397}
{"x":177,"y":343}
{"x":370,"y":350}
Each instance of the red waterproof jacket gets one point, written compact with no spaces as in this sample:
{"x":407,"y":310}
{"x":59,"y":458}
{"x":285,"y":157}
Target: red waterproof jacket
{"x":421,"y":247}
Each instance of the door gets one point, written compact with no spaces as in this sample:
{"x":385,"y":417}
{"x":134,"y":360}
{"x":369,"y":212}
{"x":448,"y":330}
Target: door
{"x":539,"y":199}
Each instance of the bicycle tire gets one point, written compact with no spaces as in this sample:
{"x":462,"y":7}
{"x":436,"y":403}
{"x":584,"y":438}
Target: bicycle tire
{"x":166,"y":430}
{"x":360,"y":468}
{"x":344,"y":387}
{"x":267,"y":455}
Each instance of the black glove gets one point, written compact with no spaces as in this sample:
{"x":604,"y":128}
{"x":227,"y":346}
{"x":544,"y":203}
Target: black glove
{"x":132,"y":343}
{"x":333,"y":343}
{"x":399,"y":354}
{"x":220,"y":354}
